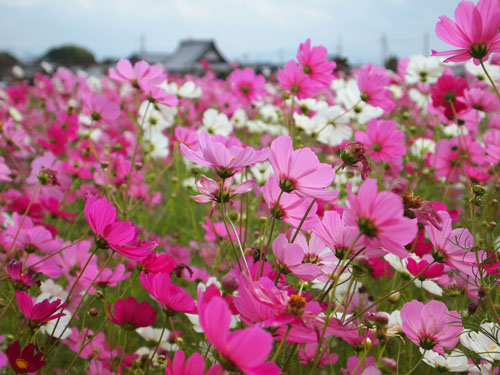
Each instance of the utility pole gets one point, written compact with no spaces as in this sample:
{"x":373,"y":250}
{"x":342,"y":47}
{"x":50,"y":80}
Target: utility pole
{"x":426,"y":44}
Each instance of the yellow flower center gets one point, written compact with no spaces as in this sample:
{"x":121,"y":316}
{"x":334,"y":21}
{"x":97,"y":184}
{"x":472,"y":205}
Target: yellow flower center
{"x":21,"y":363}
{"x":493,"y":348}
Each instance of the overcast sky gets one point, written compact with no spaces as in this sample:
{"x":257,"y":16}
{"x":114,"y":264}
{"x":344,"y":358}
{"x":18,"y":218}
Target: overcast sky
{"x":252,"y":30}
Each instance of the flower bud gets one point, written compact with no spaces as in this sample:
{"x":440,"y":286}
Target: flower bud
{"x":230,"y":283}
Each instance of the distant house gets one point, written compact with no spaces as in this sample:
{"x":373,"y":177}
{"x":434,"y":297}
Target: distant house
{"x":188,"y":57}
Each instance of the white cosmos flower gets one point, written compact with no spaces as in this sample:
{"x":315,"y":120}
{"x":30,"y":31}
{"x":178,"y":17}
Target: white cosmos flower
{"x":239,"y":118}
{"x":478,"y":72}
{"x":419,"y":98}
{"x":349,"y":96}
{"x":188,"y":89}
{"x":453,"y":130}
{"x":153,"y":335}
{"x":50,"y":288}
{"x":216,"y":123}
{"x":335,"y":126}
{"x":156,"y":143}
{"x":425,"y":69}
{"x":486,"y":343}
{"x":270,"y":113}
{"x":261,"y":172}
{"x":422,"y":146}
{"x":456,"y":361}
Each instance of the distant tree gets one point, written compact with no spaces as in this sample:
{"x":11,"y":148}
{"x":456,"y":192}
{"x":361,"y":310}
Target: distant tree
{"x":70,"y":55}
{"x":392,"y":63}
{"x":7,"y":61}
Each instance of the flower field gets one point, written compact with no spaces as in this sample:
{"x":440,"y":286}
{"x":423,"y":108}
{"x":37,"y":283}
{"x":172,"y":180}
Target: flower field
{"x":307,"y":221}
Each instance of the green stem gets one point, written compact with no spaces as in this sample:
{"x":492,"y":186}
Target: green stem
{"x":489,"y":77}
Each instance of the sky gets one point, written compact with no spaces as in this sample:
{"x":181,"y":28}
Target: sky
{"x":244,"y":30}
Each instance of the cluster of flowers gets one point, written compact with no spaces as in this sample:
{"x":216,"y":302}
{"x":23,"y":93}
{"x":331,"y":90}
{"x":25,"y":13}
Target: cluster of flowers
{"x":312,"y":221}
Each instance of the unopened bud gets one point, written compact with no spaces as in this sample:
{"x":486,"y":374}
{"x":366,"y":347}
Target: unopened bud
{"x":93,"y":312}
{"x":230,"y":283}
{"x":394,"y":297}
{"x":479,"y":190}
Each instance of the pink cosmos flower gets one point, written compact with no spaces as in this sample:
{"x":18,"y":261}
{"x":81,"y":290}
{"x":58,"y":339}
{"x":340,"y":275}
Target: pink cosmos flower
{"x":371,"y":82}
{"x":431,"y":326}
{"x":481,"y":100}
{"x":316,"y":252}
{"x":156,"y":94}
{"x":120,"y":236}
{"x":290,"y":256}
{"x":452,"y":246}
{"x":247,"y":85}
{"x":446,"y":91}
{"x":434,"y":271}
{"x":300,"y":171}
{"x":451,"y":154}
{"x":26,"y":278}
{"x":189,"y":137}
{"x":474,"y":32}
{"x":38,"y":312}
{"x":98,"y":347}
{"x":247,"y":349}
{"x":26,"y":361}
{"x":131,"y":315}
{"x":225,"y":161}
{"x":195,"y":365}
{"x":158,"y":263}
{"x":170,"y":296}
{"x":5,"y":171}
{"x":99,"y":107}
{"x":290,"y":208}
{"x":492,"y":140}
{"x":139,"y":74}
{"x":384,"y":141}
{"x":380,"y":219}
{"x":108,"y":278}
{"x":338,"y":236}
{"x":295,"y":82}
{"x":314,"y":63}
{"x":211,"y":190}
{"x":308,"y":352}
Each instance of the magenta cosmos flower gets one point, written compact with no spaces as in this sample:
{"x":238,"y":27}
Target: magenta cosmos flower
{"x":156,"y":94}
{"x":247,"y":85}
{"x":431,"y":326}
{"x":300,"y":171}
{"x":38,"y":312}
{"x":384,"y":141}
{"x":474,"y":32}
{"x":170,"y":296}
{"x":297,"y":83}
{"x":131,"y":314}
{"x":246,"y":350}
{"x":314,"y":62}
{"x":25,"y":361}
{"x":380,"y":219}
{"x":120,"y":236}
{"x":195,"y":365}
{"x":225,"y":161}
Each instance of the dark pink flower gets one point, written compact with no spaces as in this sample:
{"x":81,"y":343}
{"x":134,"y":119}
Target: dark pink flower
{"x":38,"y":312}
{"x":120,"y":236}
{"x":131,"y":315}
{"x":25,"y":361}
{"x":246,"y":349}
{"x":170,"y":296}
{"x":371,"y":82}
{"x":290,"y":256}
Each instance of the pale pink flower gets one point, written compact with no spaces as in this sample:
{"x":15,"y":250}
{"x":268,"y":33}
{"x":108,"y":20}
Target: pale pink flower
{"x":431,"y":326}
{"x":452,"y":246}
{"x":300,"y":171}
{"x":195,"y":365}
{"x":99,"y":107}
{"x":481,"y":100}
{"x":291,"y":208}
{"x":290,"y":256}
{"x":139,"y":74}
{"x":474,"y":32}
{"x":225,"y":161}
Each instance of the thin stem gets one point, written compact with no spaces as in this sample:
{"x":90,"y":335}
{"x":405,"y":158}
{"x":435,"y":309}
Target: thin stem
{"x":489,"y":77}
{"x":282,"y":343}
{"x":418,"y":364}
{"x":302,"y":221}
{"x":158,"y":345}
